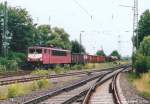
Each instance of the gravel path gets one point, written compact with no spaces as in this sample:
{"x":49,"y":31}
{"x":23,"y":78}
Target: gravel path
{"x":129,"y":91}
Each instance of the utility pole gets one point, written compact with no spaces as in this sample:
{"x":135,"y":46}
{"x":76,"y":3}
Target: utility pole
{"x":80,"y":44}
{"x":5,"y":31}
{"x":135,"y":22}
{"x":81,"y":41}
{"x":49,"y":20}
{"x":119,"y":44}
{"x":135,"y":26}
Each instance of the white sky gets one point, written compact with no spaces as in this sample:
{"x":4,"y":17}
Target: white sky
{"x":109,"y":20}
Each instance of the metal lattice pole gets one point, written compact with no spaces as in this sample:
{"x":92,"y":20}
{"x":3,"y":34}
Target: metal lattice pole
{"x":135,"y":22}
{"x":5,"y":32}
{"x":135,"y":29}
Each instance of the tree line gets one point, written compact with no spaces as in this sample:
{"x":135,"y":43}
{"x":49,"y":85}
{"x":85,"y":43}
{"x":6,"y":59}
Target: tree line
{"x":25,"y":33}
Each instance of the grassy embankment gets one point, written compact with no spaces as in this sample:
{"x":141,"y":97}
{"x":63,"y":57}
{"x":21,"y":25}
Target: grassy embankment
{"x":142,"y":83}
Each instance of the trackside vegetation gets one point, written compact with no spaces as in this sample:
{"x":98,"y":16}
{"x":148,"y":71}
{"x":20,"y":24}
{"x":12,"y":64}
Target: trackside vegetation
{"x":140,"y":77}
{"x":19,"y":89}
{"x":142,"y":83}
{"x":142,"y":57}
{"x":67,"y":68}
{"x":12,"y":62}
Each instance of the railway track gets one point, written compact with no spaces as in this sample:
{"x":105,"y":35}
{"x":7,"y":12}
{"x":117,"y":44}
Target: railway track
{"x":11,"y":80}
{"x":61,"y":95}
{"x":77,"y":93}
{"x":12,"y":74}
{"x":105,"y":92}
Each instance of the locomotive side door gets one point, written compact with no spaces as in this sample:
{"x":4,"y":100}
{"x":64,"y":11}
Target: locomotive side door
{"x":46,"y":56}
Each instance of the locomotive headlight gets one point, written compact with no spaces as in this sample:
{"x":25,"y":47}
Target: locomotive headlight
{"x":28,"y":59}
{"x":40,"y":59}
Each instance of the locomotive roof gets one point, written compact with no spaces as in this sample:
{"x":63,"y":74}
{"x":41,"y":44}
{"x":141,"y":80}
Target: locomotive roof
{"x":52,"y":48}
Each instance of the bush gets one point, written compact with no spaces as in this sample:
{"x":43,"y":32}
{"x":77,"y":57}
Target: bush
{"x":12,"y":61}
{"x":18,"y":89}
{"x":142,"y":57}
{"x":34,"y":86}
{"x":89,"y":66}
{"x":141,"y":63}
{"x":77,"y":67}
{"x":58,"y":69}
{"x":73,"y":67}
{"x":3,"y":61}
{"x":132,"y":76}
{"x":2,"y":68}
{"x":8,"y":65}
{"x":40,"y":72}
{"x":66,"y":68}
{"x":19,"y":57}
{"x":42,"y":83}
{"x":12,"y":65}
{"x":13,"y":90}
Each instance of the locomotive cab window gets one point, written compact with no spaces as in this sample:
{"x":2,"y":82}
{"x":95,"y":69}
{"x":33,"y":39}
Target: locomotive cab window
{"x":59,"y":53}
{"x":38,"y":51}
{"x":31,"y":50}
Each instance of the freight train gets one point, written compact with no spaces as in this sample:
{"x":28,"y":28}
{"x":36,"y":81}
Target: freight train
{"x":40,"y":56}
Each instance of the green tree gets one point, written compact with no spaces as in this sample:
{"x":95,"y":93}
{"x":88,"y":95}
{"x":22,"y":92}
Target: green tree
{"x":142,"y":56}
{"x":100,"y":53}
{"x":115,"y":53}
{"x":59,"y":38}
{"x":144,"y":27}
{"x":21,"y":26}
{"x":76,"y":47}
{"x":144,"y":48}
{"x":42,"y":35}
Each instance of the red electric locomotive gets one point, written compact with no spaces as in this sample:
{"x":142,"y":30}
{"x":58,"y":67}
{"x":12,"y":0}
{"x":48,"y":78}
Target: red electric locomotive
{"x":46,"y":56}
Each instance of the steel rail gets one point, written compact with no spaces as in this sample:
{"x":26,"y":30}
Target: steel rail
{"x":64,"y":89}
{"x":26,"y":79}
{"x":12,"y":74}
{"x":84,"y":93}
{"x":87,"y":92}
{"x":114,"y":90}
{"x":99,"y":83}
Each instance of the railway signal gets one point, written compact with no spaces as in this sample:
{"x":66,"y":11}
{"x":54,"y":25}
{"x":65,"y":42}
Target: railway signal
{"x":6,"y":35}
{"x":1,"y":21}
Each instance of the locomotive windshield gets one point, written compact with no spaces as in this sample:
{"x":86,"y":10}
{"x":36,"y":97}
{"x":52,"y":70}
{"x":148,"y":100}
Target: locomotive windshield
{"x":31,"y":50}
{"x":38,"y":51}
{"x":35,"y":51}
